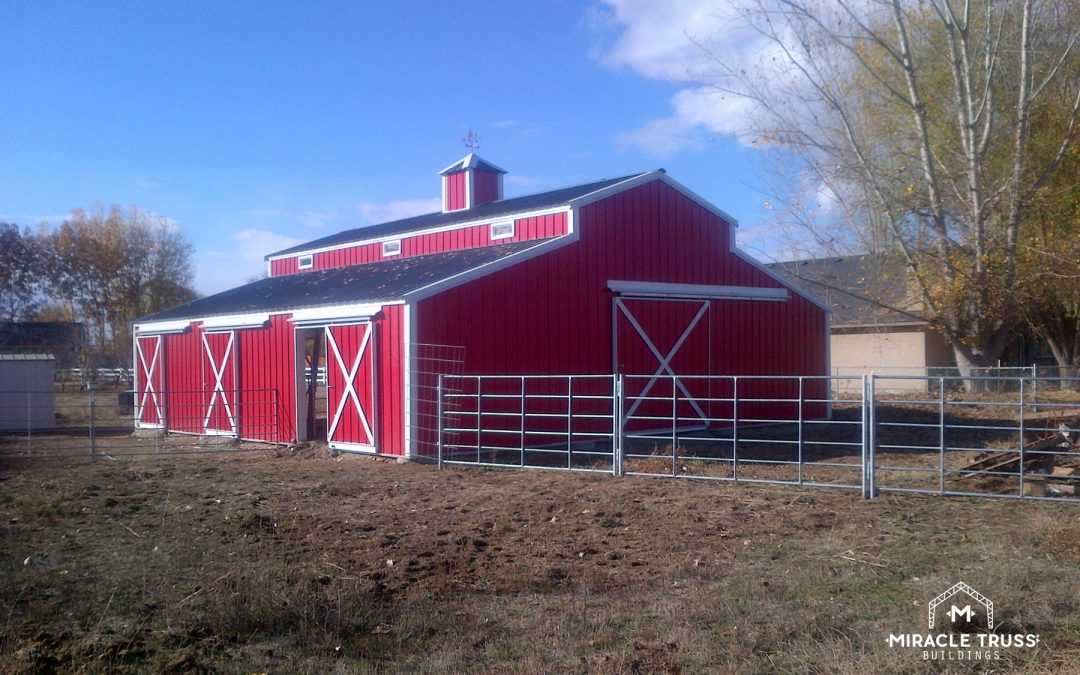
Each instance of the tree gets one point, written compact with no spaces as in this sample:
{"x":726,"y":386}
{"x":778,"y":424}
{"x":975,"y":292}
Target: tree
{"x":918,"y":120}
{"x":110,"y":267}
{"x":20,"y":273}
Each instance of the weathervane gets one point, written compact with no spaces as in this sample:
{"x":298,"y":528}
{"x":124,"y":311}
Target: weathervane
{"x":471,"y":140}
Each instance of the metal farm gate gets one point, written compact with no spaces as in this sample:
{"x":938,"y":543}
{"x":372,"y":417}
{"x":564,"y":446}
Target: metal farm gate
{"x":872,"y":434}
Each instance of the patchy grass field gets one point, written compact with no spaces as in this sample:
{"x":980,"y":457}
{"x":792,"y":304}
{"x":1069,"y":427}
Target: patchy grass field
{"x":267,"y":561}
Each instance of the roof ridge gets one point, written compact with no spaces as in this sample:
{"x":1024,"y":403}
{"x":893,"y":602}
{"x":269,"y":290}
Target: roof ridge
{"x":438,"y":218}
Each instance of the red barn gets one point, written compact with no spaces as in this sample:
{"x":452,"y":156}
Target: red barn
{"x":633,"y":275}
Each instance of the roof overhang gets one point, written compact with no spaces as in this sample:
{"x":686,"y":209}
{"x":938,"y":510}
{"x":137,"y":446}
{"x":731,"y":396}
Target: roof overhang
{"x":652,"y":289}
{"x":324,"y":316}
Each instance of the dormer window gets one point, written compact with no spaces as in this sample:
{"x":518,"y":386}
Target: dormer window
{"x":305,"y":262}
{"x":390,"y":248}
{"x":502,"y":230}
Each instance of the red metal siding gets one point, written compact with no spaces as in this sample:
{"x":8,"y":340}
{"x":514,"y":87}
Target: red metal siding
{"x":185,"y":393}
{"x":267,"y":405}
{"x":455,"y":185}
{"x":537,"y":227}
{"x":390,"y":380}
{"x":485,"y":187}
{"x":553,"y":314}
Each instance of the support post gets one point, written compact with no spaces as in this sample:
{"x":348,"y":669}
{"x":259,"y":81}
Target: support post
{"x":618,"y":457}
{"x":864,"y":418}
{"x":872,"y":445}
{"x":674,"y":425}
{"x":801,"y":416}
{"x":1023,"y":452}
{"x":941,"y":433}
{"x":735,"y":429}
{"x":439,"y":421}
{"x":93,"y":426}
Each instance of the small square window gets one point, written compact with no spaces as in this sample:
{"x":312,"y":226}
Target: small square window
{"x":502,"y":230}
{"x":391,"y":247}
{"x":305,"y":262}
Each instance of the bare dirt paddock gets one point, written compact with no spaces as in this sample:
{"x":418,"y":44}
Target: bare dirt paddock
{"x":266,"y":561}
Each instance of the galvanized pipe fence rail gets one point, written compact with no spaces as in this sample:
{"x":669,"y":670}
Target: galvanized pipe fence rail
{"x":945,"y":435}
{"x":51,"y":424}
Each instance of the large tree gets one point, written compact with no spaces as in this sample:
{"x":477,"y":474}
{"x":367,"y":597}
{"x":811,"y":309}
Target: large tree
{"x":20,"y":273}
{"x":111,"y":266}
{"x":918,"y":120}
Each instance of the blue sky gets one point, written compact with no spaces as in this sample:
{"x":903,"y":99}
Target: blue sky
{"x":259,"y":125}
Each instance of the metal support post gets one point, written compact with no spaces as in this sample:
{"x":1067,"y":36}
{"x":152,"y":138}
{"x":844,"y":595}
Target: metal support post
{"x":439,"y":421}
{"x":93,"y":426}
{"x":1023,"y":452}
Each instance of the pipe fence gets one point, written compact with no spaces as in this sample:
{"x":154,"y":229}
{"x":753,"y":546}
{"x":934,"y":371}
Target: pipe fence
{"x":942,"y":435}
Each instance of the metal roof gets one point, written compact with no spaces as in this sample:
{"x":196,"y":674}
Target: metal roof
{"x":471,"y":161}
{"x":439,"y":219}
{"x":861,"y":290}
{"x":382,"y":281}
{"x":26,"y":357}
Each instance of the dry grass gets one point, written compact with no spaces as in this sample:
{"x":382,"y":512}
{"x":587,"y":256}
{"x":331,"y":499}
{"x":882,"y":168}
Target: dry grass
{"x":269,"y":562}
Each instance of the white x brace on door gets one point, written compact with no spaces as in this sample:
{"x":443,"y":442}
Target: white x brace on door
{"x":150,"y":412}
{"x":350,"y":380}
{"x":664,"y":360}
{"x":219,"y":379}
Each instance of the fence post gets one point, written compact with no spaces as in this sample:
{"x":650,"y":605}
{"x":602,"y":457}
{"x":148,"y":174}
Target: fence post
{"x":872,"y":449}
{"x":439,"y":421}
{"x":941,"y":433}
{"x":1035,"y":387}
{"x":864,"y":419}
{"x":618,"y":468}
{"x":1023,"y":453}
{"x":277,"y":416}
{"x":93,"y":425}
{"x":674,"y":425}
{"x":800,"y":446}
{"x":735,"y":429}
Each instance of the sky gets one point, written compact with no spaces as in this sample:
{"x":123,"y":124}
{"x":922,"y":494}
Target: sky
{"x":257,"y":126}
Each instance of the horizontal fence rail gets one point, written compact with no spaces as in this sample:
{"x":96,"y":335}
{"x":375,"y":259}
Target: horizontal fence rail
{"x":944,"y":435}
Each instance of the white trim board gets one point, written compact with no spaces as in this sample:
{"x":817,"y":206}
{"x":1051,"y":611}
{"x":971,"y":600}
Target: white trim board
{"x":236,"y":321}
{"x":653,"y":289}
{"x":160,"y":327}
{"x":320,"y":315}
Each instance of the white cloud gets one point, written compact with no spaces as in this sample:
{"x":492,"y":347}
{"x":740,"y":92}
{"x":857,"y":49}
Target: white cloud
{"x":681,"y":41}
{"x":220,"y":270}
{"x":381,"y":212}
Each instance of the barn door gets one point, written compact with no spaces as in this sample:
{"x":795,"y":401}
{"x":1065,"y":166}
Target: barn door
{"x":660,"y":344}
{"x":150,"y":390}
{"x":219,"y":380}
{"x":350,"y":380}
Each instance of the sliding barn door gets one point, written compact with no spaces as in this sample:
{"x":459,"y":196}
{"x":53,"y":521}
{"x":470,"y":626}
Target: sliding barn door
{"x":662,"y":346}
{"x":150,"y":391}
{"x":219,"y":382}
{"x":350,"y":380}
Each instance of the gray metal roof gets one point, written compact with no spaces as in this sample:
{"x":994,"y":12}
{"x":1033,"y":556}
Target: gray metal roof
{"x":861,"y":290}
{"x":382,"y":281}
{"x":490,"y":210}
{"x":5,"y":356}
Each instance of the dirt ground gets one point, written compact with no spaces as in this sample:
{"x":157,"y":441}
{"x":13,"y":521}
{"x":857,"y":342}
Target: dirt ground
{"x":282,"y":561}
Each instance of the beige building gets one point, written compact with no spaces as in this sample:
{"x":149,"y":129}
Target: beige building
{"x":886,"y":335}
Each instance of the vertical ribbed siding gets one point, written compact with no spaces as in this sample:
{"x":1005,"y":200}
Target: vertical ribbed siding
{"x":552,"y":314}
{"x":268,"y":381}
{"x":534,"y":227}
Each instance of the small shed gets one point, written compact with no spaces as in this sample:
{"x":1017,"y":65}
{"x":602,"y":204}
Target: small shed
{"x":26,"y":392}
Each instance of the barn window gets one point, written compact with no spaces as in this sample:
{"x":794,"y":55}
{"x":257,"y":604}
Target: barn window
{"x":391,"y":247}
{"x":502,"y":230}
{"x":305,"y":262}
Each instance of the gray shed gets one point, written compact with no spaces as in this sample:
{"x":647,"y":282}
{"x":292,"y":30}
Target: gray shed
{"x":26,"y":392}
